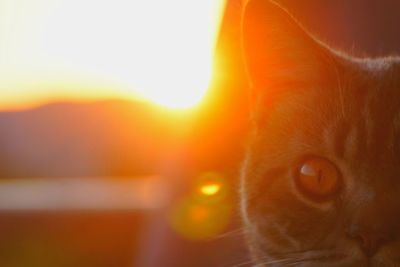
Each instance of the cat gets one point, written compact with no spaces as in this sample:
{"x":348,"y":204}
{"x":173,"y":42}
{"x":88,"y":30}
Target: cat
{"x":320,"y":183}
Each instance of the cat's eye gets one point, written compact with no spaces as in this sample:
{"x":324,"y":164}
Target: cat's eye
{"x":318,"y":178}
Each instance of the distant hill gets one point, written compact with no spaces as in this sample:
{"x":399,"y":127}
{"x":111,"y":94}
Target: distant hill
{"x":108,"y":138}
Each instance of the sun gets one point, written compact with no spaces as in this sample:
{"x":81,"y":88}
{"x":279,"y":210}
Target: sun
{"x":159,"y":50}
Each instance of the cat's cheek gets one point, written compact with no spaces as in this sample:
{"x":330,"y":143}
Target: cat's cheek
{"x":280,"y":213}
{"x":323,"y":206}
{"x":389,"y":255}
{"x":291,"y":231}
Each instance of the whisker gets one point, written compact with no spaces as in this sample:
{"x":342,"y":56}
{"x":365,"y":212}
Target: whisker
{"x":315,"y":252}
{"x":282,"y":261}
{"x":294,"y":263}
{"x":242,"y":264}
{"x":233,"y":233}
{"x":249,"y":262}
{"x":290,"y":259}
{"x":243,"y":260}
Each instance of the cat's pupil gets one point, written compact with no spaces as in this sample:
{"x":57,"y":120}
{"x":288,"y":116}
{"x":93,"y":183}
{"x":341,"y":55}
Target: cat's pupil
{"x":318,"y":178}
{"x":308,"y":170}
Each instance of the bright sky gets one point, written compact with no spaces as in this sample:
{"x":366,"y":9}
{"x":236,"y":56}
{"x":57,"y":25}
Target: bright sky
{"x":79,"y":49}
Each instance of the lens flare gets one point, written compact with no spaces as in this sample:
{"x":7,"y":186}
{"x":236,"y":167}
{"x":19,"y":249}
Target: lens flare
{"x":210,"y":189}
{"x":211,"y":186}
{"x":200,"y":221}
{"x":206,"y":211}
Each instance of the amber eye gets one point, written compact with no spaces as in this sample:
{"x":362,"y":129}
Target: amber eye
{"x":318,"y":178}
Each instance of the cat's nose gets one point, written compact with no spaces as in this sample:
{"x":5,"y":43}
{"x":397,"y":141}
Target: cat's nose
{"x":370,"y":242}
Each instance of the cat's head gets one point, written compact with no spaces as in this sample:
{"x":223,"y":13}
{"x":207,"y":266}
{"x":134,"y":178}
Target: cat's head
{"x":321,"y":181}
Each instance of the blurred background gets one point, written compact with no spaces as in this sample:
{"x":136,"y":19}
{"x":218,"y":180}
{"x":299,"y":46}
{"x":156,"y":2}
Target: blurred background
{"x":123,"y":123}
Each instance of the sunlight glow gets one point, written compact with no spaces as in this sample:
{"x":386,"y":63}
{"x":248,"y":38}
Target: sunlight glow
{"x":200,"y":221}
{"x":61,"y":49}
{"x":206,"y":211}
{"x":210,"y":189}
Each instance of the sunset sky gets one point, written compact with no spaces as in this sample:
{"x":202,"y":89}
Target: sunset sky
{"x":92,"y":49}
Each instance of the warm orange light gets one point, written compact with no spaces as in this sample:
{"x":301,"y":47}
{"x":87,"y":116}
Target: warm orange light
{"x":67,"y":49}
{"x":200,"y":221}
{"x":210,"y":189}
{"x":206,"y":211}
{"x":199,"y":213}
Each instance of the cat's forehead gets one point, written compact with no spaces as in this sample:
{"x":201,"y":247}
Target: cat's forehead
{"x":364,"y":123}
{"x":376,"y":86}
{"x":356,"y":112}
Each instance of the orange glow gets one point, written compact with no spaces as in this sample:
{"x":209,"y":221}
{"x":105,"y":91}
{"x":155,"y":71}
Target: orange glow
{"x":199,"y":213}
{"x":154,"y":50}
{"x":206,"y":213}
{"x":210,"y":189}
{"x":210,"y":186}
{"x":200,"y":221}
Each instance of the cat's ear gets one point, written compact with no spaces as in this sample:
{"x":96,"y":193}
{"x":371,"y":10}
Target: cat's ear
{"x":276,"y":48}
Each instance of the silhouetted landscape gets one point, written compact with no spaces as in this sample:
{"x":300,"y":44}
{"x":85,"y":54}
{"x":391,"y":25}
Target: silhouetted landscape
{"x":107,"y":138}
